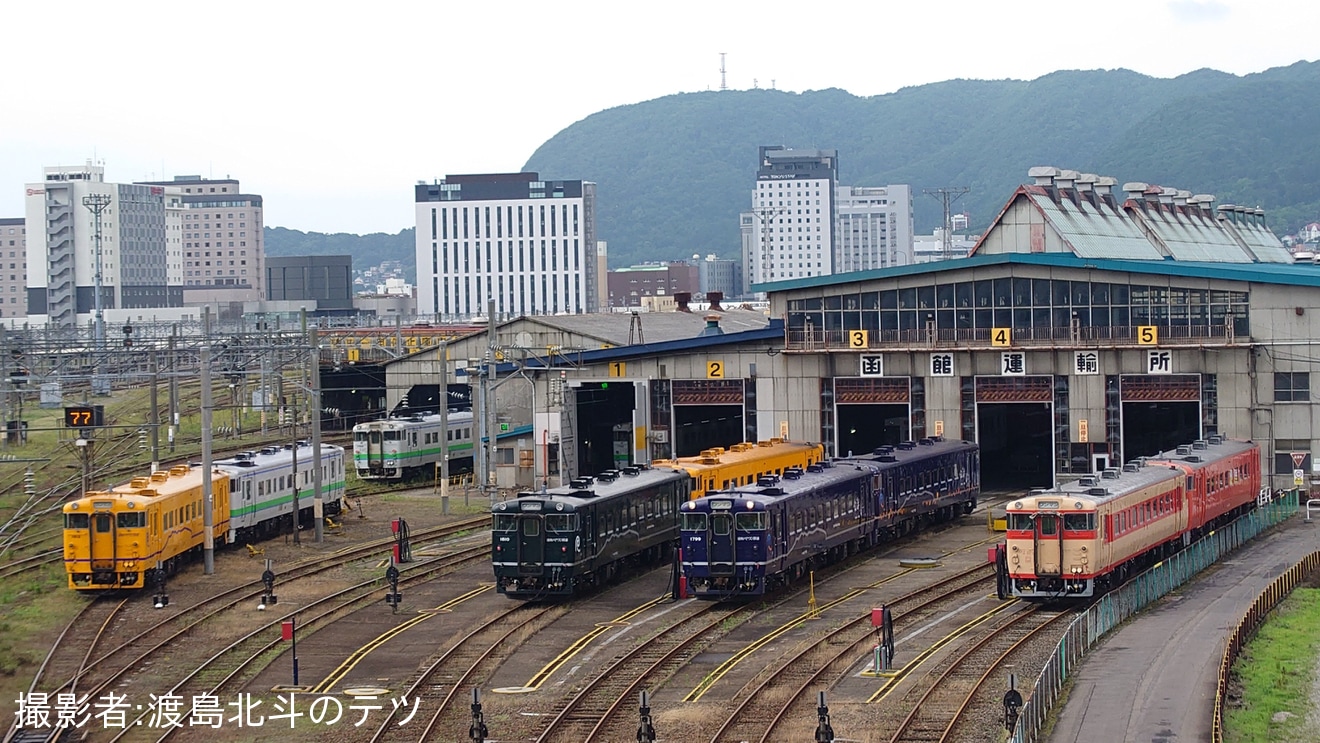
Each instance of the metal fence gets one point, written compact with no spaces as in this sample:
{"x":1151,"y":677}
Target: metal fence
{"x":1120,"y":604}
{"x":1268,"y":599}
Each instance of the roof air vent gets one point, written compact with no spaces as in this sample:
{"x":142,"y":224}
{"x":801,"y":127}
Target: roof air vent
{"x":1131,"y":467}
{"x":1184,"y":450}
{"x":631,"y":471}
{"x":1193,"y":458}
{"x":1088,"y":482}
{"x":1200,"y":445}
{"x":886,"y":449}
{"x":886,"y":458}
{"x":907,"y":445}
{"x":927,"y":442}
{"x":580,"y":483}
{"x":1216,"y":439}
{"x":1098,"y":491}
{"x":1109,"y":473}
{"x":608,"y":476}
{"x":815,"y":467}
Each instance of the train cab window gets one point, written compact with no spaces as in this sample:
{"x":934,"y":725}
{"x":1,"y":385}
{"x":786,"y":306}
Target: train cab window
{"x":135,"y":520}
{"x":359,"y":435}
{"x":694,"y":521}
{"x":75,"y":521}
{"x":531,"y":527}
{"x":561,"y":523}
{"x":102,"y":522}
{"x":750,"y":521}
{"x":1049,"y":527}
{"x":1078,"y":522}
{"x":720,"y":526}
{"x":394,"y":435}
{"x":374,"y":437}
{"x":1019,"y":522}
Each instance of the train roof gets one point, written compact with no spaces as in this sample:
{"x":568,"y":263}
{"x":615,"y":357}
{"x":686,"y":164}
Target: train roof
{"x":742,"y":452}
{"x":890,"y":456}
{"x":795,"y":481}
{"x":405,"y":421}
{"x":141,"y":490}
{"x":272,"y":456}
{"x":590,"y":490}
{"x":1204,"y":451}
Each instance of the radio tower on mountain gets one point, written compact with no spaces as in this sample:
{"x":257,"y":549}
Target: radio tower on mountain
{"x":723,"y":83}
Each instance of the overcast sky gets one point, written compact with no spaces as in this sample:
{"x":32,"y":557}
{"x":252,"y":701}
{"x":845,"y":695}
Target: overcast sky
{"x":333,"y":111}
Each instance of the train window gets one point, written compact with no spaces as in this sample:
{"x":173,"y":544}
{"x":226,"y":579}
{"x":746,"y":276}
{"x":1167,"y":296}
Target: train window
{"x":1019,"y":522}
{"x":531,"y":527}
{"x":374,"y":437}
{"x":102,"y":522}
{"x":750,"y":522}
{"x":359,"y":435}
{"x":1049,"y":527}
{"x":1079,"y":522}
{"x":75,"y":521}
{"x":1190,"y":483}
{"x":132,"y":520}
{"x":694,"y":521}
{"x":561,"y":523}
{"x":505,"y":522}
{"x":414,"y":438}
{"x":394,"y":435}
{"x":720,"y":526}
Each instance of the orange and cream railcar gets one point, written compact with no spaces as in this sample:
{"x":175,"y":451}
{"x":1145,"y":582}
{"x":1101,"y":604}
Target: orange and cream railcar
{"x":1087,"y":536}
{"x":112,"y":538}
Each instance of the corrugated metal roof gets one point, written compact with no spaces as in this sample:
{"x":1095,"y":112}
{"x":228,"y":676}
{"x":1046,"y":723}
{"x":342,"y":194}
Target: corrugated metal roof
{"x":1192,"y":237}
{"x":1264,"y":244}
{"x":1092,"y":232}
{"x":1289,"y":274}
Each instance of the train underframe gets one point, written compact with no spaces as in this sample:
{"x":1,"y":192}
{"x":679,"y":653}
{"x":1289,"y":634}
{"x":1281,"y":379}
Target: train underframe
{"x":564,"y":581}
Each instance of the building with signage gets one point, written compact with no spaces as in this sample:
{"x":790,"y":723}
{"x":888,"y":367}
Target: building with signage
{"x":789,"y":231}
{"x":13,"y":267}
{"x":527,"y":243}
{"x":139,"y":265}
{"x":873,"y":227}
{"x":1086,"y":329}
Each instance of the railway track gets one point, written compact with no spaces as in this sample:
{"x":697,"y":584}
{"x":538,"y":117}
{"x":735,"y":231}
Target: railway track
{"x":464,"y":665}
{"x":947,"y":696}
{"x":113,"y":665}
{"x":781,"y":693}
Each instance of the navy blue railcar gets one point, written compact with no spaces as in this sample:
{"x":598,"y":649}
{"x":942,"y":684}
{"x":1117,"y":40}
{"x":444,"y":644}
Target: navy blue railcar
{"x":751,"y":540}
{"x":554,"y":543}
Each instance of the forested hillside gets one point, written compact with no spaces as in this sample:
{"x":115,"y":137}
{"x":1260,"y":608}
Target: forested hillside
{"x":673,"y":173}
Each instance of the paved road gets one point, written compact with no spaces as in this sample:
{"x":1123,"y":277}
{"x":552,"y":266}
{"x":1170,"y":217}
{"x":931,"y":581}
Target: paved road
{"x":1153,"y":680}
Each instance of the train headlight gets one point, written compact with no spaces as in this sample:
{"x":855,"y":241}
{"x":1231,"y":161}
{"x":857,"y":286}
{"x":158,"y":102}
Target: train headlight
{"x":750,"y":505}
{"x":1017,"y":505}
{"x":131,"y":504}
{"x":559,"y":506}
{"x":687,"y":505}
{"x":73,"y":506}
{"x":1078,"y":505}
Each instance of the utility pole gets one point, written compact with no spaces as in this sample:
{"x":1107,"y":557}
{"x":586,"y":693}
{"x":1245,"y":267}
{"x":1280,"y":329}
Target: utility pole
{"x":208,"y":539}
{"x":97,"y":203}
{"x":492,"y":425}
{"x":174,"y":387}
{"x":155,"y":412}
{"x":946,"y":197}
{"x":443,"y":354}
{"x":318,"y":509}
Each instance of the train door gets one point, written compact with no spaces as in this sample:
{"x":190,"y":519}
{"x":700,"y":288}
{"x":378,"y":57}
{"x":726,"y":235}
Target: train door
{"x":1049,"y":544}
{"x":375,"y":454}
{"x":102,"y":546}
{"x":721,"y":540}
{"x":531,"y":545}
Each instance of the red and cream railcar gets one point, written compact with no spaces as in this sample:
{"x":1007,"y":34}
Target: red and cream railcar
{"x":1087,"y":536}
{"x":1225,"y":475}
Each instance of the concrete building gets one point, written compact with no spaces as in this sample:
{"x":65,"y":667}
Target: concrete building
{"x":528,"y":244}
{"x":719,"y":275}
{"x":873,"y":227}
{"x":325,"y":280}
{"x":628,"y":285}
{"x":789,"y":232}
{"x":1085,"y":330}
{"x":221,"y":237}
{"x":13,"y":267}
{"x":62,"y":246}
{"x":927,"y":248}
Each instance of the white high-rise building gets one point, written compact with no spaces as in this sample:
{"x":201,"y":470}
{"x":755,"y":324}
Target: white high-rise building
{"x":874,"y":227}
{"x":528,"y":244}
{"x":790,"y":232}
{"x":61,"y":245}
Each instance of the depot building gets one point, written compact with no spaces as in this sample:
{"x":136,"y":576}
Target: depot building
{"x":1084,"y":330}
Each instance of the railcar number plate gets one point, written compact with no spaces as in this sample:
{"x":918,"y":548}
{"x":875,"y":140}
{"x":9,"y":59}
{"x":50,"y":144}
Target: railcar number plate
{"x":531,"y":505}
{"x":1045,"y":504}
{"x":721,"y":505}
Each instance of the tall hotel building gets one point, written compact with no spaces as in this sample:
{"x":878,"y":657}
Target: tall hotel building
{"x":790,"y":229}
{"x":528,"y":244}
{"x":141,"y":266}
{"x":874,"y":227}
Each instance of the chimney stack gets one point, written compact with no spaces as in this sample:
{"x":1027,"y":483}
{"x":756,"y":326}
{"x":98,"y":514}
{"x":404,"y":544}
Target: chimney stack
{"x":1204,"y":205}
{"x":1225,"y":211}
{"x":714,"y":298}
{"x":1064,"y":181}
{"x":1086,"y":187}
{"x":1104,"y":189}
{"x":1135,"y":191}
{"x":712,"y":326}
{"x":1044,"y":175}
{"x":682,"y":298}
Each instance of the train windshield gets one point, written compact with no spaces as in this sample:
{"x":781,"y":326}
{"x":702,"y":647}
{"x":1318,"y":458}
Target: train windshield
{"x":1079,"y":522}
{"x":721,"y":525}
{"x":1020,"y":522}
{"x":694,"y":522}
{"x":1049,"y":527}
{"x":750,"y":521}
{"x":132,"y":520}
{"x":375,"y":437}
{"x":505,"y":522}
{"x":561,"y":522}
{"x":531,"y":526}
{"x":75,"y":521}
{"x":394,"y":435}
{"x":359,"y":435}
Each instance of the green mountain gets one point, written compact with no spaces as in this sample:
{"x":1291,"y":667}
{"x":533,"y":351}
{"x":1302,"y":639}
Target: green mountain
{"x":674,"y":173}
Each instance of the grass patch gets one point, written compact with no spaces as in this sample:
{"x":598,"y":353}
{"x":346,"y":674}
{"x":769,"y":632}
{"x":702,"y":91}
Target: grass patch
{"x":1275,"y":674}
